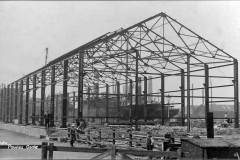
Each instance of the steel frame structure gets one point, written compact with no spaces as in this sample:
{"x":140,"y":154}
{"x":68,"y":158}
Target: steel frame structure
{"x":159,"y":46}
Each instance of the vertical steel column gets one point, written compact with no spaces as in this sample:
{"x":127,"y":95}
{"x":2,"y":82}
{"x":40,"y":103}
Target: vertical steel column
{"x":16,"y":101}
{"x":163,"y":97}
{"x":80,"y":86}
{"x":27,"y":100}
{"x":42,"y":97}
{"x":145,"y":99}
{"x":8,"y":103}
{"x":57,"y":107}
{"x":21,"y":102}
{"x":52,"y":95}
{"x":118,"y":100}
{"x":1,"y":103}
{"x":182,"y":98}
{"x":188,"y":93}
{"x":65,"y":94}
{"x":88,"y":101}
{"x":74,"y":103}
{"x":206,"y":84}
{"x":136,"y":88}
{"x":107,"y":102}
{"x":4,"y":104}
{"x":236,"y":98}
{"x":131,"y":100}
{"x":34,"y":99}
{"x":12,"y":101}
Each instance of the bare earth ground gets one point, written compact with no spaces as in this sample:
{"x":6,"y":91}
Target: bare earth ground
{"x":16,"y":138}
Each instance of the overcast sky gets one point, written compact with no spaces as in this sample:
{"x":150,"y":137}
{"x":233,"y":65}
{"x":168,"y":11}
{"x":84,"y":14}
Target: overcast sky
{"x":27,"y":28}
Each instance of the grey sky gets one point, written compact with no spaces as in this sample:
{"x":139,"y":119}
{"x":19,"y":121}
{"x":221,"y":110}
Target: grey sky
{"x":27,"y":28}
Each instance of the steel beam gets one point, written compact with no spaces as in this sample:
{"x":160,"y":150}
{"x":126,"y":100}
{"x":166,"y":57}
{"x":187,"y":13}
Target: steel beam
{"x":163,"y":97}
{"x":188,"y":93}
{"x":34,"y":100}
{"x":65,"y":94}
{"x":206,"y":84}
{"x":80,"y":85}
{"x":107,"y":102}
{"x":16,"y":101}
{"x":43,"y":77}
{"x":182,"y":98}
{"x":145,"y":99}
{"x":27,"y":100}
{"x":52,"y":96}
{"x":21,"y":103}
{"x":236,"y":98}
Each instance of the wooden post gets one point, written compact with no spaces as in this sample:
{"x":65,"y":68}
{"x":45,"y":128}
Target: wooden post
{"x":50,"y":154}
{"x":113,"y":152}
{"x":130,"y":139}
{"x":88,"y":136}
{"x":44,"y":150}
{"x":114,"y":137}
{"x":99,"y":135}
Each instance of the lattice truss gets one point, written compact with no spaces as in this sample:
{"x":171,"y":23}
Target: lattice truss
{"x":159,"y":44}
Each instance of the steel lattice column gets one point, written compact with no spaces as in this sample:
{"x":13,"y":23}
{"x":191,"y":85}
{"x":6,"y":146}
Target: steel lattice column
{"x":107,"y":102}
{"x":52,"y":96}
{"x":65,"y":94}
{"x":42,"y":97}
{"x":236,"y":98}
{"x":16,"y":101}
{"x":206,"y":84}
{"x":182,"y":98}
{"x":34,"y":99}
{"x":21,"y":102}
{"x":163,"y":97}
{"x":80,"y":85}
{"x":188,"y":93}
{"x":27,"y":100}
{"x":145,"y":99}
